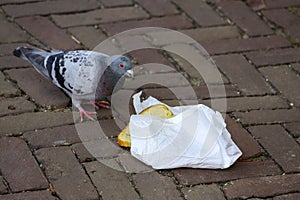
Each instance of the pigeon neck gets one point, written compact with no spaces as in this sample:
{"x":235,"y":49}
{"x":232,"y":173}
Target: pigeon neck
{"x":107,"y":83}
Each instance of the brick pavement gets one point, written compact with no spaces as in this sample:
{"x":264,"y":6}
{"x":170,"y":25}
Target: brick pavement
{"x":256,"y":49}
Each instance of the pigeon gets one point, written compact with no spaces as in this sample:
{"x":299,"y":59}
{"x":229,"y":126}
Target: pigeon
{"x":85,"y":76}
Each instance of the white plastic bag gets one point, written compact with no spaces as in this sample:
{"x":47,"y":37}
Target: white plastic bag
{"x":196,"y":137}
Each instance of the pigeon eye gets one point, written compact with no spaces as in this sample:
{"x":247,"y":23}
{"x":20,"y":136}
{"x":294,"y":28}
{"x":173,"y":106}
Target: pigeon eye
{"x":121,"y":65}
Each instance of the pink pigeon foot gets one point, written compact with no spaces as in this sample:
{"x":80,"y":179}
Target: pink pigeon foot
{"x":88,"y":114}
{"x":93,"y":103}
{"x":103,"y":104}
{"x":97,"y":104}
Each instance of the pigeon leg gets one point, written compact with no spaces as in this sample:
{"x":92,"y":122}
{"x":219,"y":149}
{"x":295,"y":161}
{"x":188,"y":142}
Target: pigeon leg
{"x":103,"y":104}
{"x":88,"y":114}
{"x":97,"y":104}
{"x":93,"y":103}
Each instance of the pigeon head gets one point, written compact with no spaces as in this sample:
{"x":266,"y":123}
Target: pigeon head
{"x":120,"y":65}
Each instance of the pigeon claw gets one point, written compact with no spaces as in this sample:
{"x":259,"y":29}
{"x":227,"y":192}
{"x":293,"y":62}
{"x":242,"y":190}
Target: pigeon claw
{"x":88,"y":114}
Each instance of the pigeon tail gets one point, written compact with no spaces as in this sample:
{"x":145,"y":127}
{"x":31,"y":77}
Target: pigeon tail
{"x":18,"y":52}
{"x":35,"y":57}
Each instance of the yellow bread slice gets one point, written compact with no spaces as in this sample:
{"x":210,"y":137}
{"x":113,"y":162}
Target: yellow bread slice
{"x":158,"y":110}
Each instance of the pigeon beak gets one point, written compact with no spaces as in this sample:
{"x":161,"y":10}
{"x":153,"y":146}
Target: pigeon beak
{"x":129,"y":73}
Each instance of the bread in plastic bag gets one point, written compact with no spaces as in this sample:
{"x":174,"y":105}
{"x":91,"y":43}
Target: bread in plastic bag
{"x":195,"y":137}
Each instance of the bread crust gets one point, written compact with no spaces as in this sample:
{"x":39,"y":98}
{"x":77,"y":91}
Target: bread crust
{"x":159,"y":110}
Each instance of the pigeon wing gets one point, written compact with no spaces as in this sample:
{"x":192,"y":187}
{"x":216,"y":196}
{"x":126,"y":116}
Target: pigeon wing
{"x":83,"y":72}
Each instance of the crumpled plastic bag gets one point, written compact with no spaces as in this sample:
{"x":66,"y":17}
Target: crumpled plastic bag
{"x":195,"y":137}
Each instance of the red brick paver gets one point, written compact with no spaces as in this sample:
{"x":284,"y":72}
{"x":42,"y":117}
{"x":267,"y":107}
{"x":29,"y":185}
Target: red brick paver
{"x":294,"y":128}
{"x":15,"y":106}
{"x":256,"y":50}
{"x":58,"y":136}
{"x":111,"y":184}
{"x":289,"y":22}
{"x":247,"y":143}
{"x":274,"y":56}
{"x":89,"y":36}
{"x":289,"y":88}
{"x":263,"y":187}
{"x":7,"y":89}
{"x":48,"y":7}
{"x":3,"y":188}
{"x":153,"y":185}
{"x":273,"y":136}
{"x":281,"y":3}
{"x":243,"y":74}
{"x":33,"y":121}
{"x":268,"y":116}
{"x":25,"y":173}
{"x":41,"y":90}
{"x":203,"y":192}
{"x":49,"y":34}
{"x":212,"y":33}
{"x":200,"y":12}
{"x":109,"y":3}
{"x":242,"y":45}
{"x":66,"y":174}
{"x":165,"y":7}
{"x":100,"y":16}
{"x":43,"y":194}
{"x":10,"y":32}
{"x":247,"y":20}
{"x":171,"y":22}
{"x":7,"y":62}
{"x":239,"y":171}
{"x":255,"y":103}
